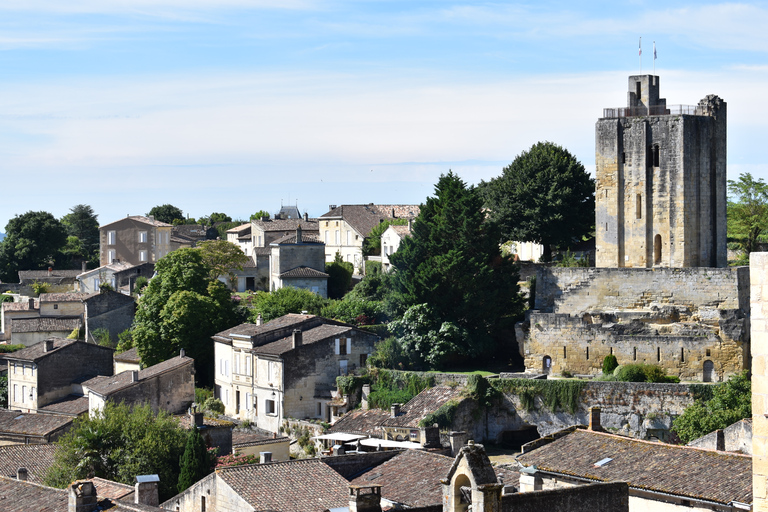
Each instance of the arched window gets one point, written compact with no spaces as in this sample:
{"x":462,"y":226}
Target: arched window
{"x":657,"y":250}
{"x":709,"y":371}
{"x":546,"y":364}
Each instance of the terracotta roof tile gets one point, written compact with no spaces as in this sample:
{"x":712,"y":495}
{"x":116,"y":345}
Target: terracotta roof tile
{"x":110,"y":384}
{"x":37,"y":351}
{"x":20,"y":306}
{"x":129,"y":356}
{"x":243,"y":438}
{"x":48,"y":324}
{"x":361,"y":422}
{"x":291,"y":239}
{"x":721,"y":477}
{"x":72,"y":405}
{"x":319,"y":333}
{"x":240,"y":229}
{"x":16,"y":496}
{"x":62,"y":297}
{"x":37,"y":458}
{"x":277,"y":324}
{"x":307,"y":226}
{"x":112,"y":490}
{"x":143,"y":219}
{"x":426,"y":402}
{"x":364,"y":217}
{"x":14,"y":422}
{"x":305,"y":485}
{"x":300,"y":272}
{"x":40,"y":274}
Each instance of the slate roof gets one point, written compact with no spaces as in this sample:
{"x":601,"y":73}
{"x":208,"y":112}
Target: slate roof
{"x":37,"y":351}
{"x":306,"y":485}
{"x":72,"y":405}
{"x":364,"y":217}
{"x":17,"y":423}
{"x":129,"y":356}
{"x":710,"y":475}
{"x":140,"y":218}
{"x":426,"y":402}
{"x":65,"y":324}
{"x":263,"y":251}
{"x":106,"y":385}
{"x":37,"y":458}
{"x":306,"y":272}
{"x":310,"y":225}
{"x":361,"y":422}
{"x":62,"y":297}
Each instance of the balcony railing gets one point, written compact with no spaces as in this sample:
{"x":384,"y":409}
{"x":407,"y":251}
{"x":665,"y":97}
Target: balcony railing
{"x":655,"y":110}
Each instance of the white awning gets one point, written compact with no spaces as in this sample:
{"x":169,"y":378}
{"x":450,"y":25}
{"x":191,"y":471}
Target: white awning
{"x":344,"y":438}
{"x":386,"y":443}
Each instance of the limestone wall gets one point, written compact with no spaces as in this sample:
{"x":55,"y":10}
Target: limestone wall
{"x":759,"y":320}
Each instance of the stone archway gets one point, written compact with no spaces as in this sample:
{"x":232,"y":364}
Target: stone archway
{"x":709,"y":374}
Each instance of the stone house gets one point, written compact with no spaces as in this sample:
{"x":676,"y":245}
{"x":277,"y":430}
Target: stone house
{"x":120,"y":275}
{"x":135,"y":239}
{"x":286,"y":367}
{"x":108,"y":310}
{"x":55,"y":315}
{"x":44,"y":372}
{"x":298,"y":260}
{"x":250,"y":442}
{"x":36,"y":458}
{"x":344,"y":228}
{"x":167,"y":386}
{"x":661,"y":477}
{"x":24,"y":429}
{"x":60,"y":281}
{"x":241,"y":237}
{"x":390,"y":243}
{"x":29,"y":308}
{"x":265,"y":231}
{"x":403,"y":422}
{"x":128,"y":360}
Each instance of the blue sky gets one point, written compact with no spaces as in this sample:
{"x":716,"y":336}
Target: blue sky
{"x":235,"y":106}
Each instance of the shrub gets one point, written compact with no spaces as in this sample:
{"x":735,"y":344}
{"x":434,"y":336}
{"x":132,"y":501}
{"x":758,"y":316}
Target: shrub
{"x":140,"y":284}
{"x":202,"y":395}
{"x":214,"y":405}
{"x":5,"y":298}
{"x":102,"y":337}
{"x":6,"y":349}
{"x":39,"y":288}
{"x":609,"y":364}
{"x":74,"y":335}
{"x":631,"y":373}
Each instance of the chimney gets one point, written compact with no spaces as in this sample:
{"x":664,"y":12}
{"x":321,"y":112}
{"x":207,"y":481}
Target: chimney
{"x":84,"y":266}
{"x":298,"y":234}
{"x":430,"y":436}
{"x":410,"y":223}
{"x":339,"y":449}
{"x":265,"y":457}
{"x":50,"y":271}
{"x":47,"y":345}
{"x":365,"y":498}
{"x":152,"y":217}
{"x":31,"y":303}
{"x":259,"y":319}
{"x":146,"y":491}
{"x":306,"y":217}
{"x":197,"y":417}
{"x":22,"y":474}
{"x":458,"y":439}
{"x":297,"y":338}
{"x":134,"y":375}
{"x":719,"y":440}
{"x":82,"y":497}
{"x":364,"y":400}
{"x":264,"y":218}
{"x":594,"y":419}
{"x":332,"y":207}
{"x":395,"y":411}
{"x":182,"y":353}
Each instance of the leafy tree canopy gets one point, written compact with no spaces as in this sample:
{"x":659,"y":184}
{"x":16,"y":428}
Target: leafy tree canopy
{"x":167,"y":213}
{"x":214,"y":218}
{"x":222,"y":257}
{"x":372,"y":244}
{"x":747,"y":212}
{"x":33,"y":241}
{"x":285,"y":300}
{"x":81,"y":222}
{"x":339,"y":276}
{"x":195,"y":462}
{"x":545,"y":196}
{"x":259,"y":214}
{"x":730,"y":402}
{"x":452,"y":264}
{"x":119,"y":443}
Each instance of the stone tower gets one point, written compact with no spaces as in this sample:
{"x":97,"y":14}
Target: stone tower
{"x":661,"y":181}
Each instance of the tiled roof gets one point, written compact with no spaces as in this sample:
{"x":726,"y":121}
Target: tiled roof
{"x":115,"y":266}
{"x":361,"y":422}
{"x":291,"y":239}
{"x":19,"y":306}
{"x":401,"y":231}
{"x":320,"y":333}
{"x":72,"y":405}
{"x":129,"y":356}
{"x":364,"y":217}
{"x":308,"y":226}
{"x":107,"y":385}
{"x":112,"y":490}
{"x":141,"y":218}
{"x":262,"y":251}
{"x":62,"y":297}
{"x":283,"y":322}
{"x":14,"y":422}
{"x":37,"y":458}
{"x":305,"y":485}
{"x":243,"y":438}
{"x":303,"y":272}
{"x":241,"y":228}
{"x":37,"y":351}
{"x":721,"y":477}
{"x":411,"y":478}
{"x":65,"y":324}
{"x":185,"y":420}
{"x":426,"y":402}
{"x":39,"y":274}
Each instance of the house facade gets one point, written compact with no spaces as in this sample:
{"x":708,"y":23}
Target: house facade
{"x":135,"y":239}
{"x":241,"y":237}
{"x":298,"y":260}
{"x":344,"y":228}
{"x":390,"y":243}
{"x":285,"y":368}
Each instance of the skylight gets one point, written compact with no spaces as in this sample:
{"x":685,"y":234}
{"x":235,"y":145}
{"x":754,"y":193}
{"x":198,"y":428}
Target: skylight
{"x":603,"y":462}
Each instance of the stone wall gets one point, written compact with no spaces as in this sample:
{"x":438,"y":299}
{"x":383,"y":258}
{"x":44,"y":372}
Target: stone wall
{"x":351,"y":465}
{"x":738,"y":438}
{"x":172,"y":391}
{"x":112,"y":311}
{"x":758,"y":263}
{"x":76,"y":362}
{"x":606,"y":497}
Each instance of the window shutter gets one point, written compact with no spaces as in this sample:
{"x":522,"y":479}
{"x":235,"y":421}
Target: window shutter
{"x":337,"y":346}
{"x":349,"y":346}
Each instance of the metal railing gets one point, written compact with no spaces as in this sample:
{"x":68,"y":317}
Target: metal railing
{"x":655,"y":110}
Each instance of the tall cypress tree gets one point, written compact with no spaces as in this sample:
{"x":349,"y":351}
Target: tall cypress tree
{"x":453,"y":263}
{"x":194,"y":463}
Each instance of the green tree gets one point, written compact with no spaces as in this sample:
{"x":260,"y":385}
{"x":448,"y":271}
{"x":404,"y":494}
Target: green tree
{"x":167,"y":213}
{"x":3,"y":391}
{"x":730,"y":402}
{"x":453,"y":264}
{"x":32,"y":241}
{"x":81,"y":222}
{"x":195,"y":462}
{"x":222,"y":258}
{"x":372,"y":243}
{"x":214,"y":218}
{"x":339,"y":276}
{"x":286,"y":300}
{"x":259,"y":214}
{"x":545,"y":196}
{"x":182,"y":307}
{"x":119,"y":443}
{"x":748,"y":213}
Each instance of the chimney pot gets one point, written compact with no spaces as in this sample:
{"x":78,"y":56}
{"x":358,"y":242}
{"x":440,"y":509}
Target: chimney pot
{"x":594,"y":419}
{"x":50,"y":271}
{"x":31,"y":303}
{"x":265,"y":457}
{"x":365,"y":499}
{"x":134,"y":375}
{"x":297,"y":338}
{"x":22,"y":474}
{"x":298,"y":234}
{"x":395,"y":410}
{"x":84,"y":266}
{"x":146,"y":490}
{"x":259,"y":319}
{"x":182,"y":353}
{"x":720,"y":440}
{"x":82,"y":497}
{"x":48,"y":345}
{"x":306,"y":217}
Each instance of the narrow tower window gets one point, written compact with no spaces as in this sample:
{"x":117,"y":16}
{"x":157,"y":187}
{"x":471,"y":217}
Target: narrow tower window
{"x":657,"y":250}
{"x":639,"y":206}
{"x":655,"y":151}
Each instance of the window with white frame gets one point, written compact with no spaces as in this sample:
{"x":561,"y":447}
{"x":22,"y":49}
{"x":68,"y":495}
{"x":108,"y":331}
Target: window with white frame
{"x":349,"y":237}
{"x":326,"y":237}
{"x":338,"y":236}
{"x":343,"y":346}
{"x":272,"y":371}
{"x":142,"y":255}
{"x":16,"y":393}
{"x":111,"y":237}
{"x":247,"y":364}
{"x":111,"y":256}
{"x":143,"y":237}
{"x":226,"y":396}
{"x":23,"y":394}
{"x":270,"y":406}
{"x":237,"y":363}
{"x":248,"y":401}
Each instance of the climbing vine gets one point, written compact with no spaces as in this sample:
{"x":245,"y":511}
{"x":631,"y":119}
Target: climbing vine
{"x":443,"y":416}
{"x":555,"y":394}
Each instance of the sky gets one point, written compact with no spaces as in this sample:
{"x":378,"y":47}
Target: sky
{"x":236,"y":106}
